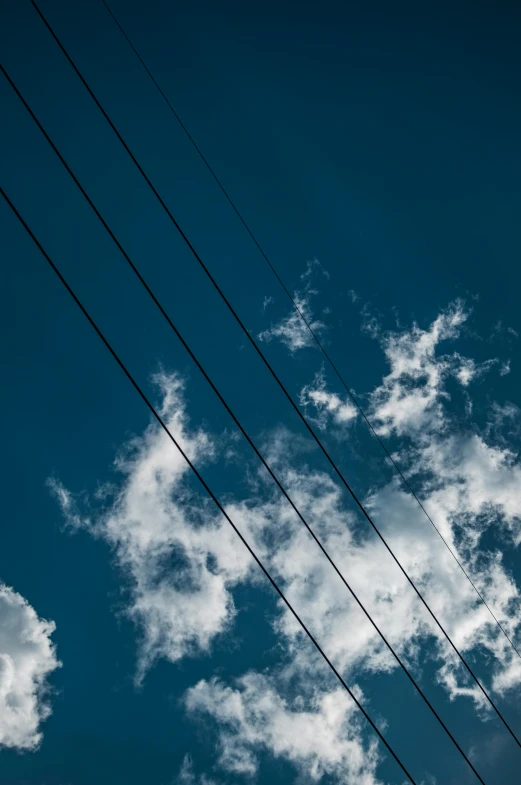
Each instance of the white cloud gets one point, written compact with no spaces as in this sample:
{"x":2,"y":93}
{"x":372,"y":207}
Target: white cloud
{"x":449,"y":594}
{"x":181,"y":557}
{"x":472,"y":484}
{"x":27,"y":657}
{"x":466,"y":484}
{"x":291,"y":330}
{"x":327,"y":405}
{"x":326,"y":607}
{"x":501,"y":417}
{"x":409,"y":398}
{"x":319,"y":734}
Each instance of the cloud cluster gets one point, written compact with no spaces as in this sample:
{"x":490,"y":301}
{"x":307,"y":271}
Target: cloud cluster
{"x":27,"y":657}
{"x":183,"y":561}
{"x":466,"y":484}
{"x":319,"y":734}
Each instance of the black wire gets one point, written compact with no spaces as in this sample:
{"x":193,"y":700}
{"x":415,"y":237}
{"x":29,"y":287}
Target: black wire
{"x":309,"y":327}
{"x":274,"y":374}
{"x":203,"y":483}
{"x":235,"y":419}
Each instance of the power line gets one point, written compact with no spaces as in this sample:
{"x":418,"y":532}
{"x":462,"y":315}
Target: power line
{"x":204,"y":484}
{"x":277,"y":379}
{"x":235,"y":419}
{"x":309,"y":327}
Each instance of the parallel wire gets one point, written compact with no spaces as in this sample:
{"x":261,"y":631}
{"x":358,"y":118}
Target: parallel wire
{"x":277,"y":379}
{"x":235,"y":419}
{"x":310,"y":328}
{"x":163,"y":425}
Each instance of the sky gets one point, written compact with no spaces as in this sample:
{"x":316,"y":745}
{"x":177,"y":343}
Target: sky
{"x":373,"y":151}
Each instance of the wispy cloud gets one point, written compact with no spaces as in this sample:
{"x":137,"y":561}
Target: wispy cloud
{"x":291,"y":330}
{"x":327,"y":406}
{"x":314,"y":269}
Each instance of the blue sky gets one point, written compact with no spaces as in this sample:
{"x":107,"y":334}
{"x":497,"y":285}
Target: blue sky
{"x":382,"y":144}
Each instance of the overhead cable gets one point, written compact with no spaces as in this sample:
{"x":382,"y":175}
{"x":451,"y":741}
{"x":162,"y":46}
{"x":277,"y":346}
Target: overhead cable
{"x":206,"y":487}
{"x":312,"y":332}
{"x":277,"y":379}
{"x":236,"y":420}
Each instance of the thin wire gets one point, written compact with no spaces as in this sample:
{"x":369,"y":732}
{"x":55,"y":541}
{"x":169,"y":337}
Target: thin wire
{"x":204,"y":484}
{"x":274,"y":374}
{"x":234,"y":418}
{"x":309,"y":327}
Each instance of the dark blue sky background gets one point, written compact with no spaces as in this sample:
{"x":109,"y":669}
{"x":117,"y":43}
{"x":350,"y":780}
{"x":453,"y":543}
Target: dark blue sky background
{"x":382,"y":139}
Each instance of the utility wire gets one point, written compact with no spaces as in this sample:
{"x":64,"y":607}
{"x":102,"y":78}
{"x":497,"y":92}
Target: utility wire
{"x":310,"y":328}
{"x":277,"y":379}
{"x":235,"y":419}
{"x":161,"y":422}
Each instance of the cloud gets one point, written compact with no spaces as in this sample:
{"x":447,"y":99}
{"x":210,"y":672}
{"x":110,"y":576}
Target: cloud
{"x":500,"y":330}
{"x":467,"y":485}
{"x":449,"y":594}
{"x":291,"y":330}
{"x":409,"y":397}
{"x":178,"y":554}
{"x":314,"y":268}
{"x":319,"y":734}
{"x":187,"y":776}
{"x":27,"y":657}
{"x":327,"y":609}
{"x":327,"y":405}
{"x":501,"y":417}
{"x":472,"y":485}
